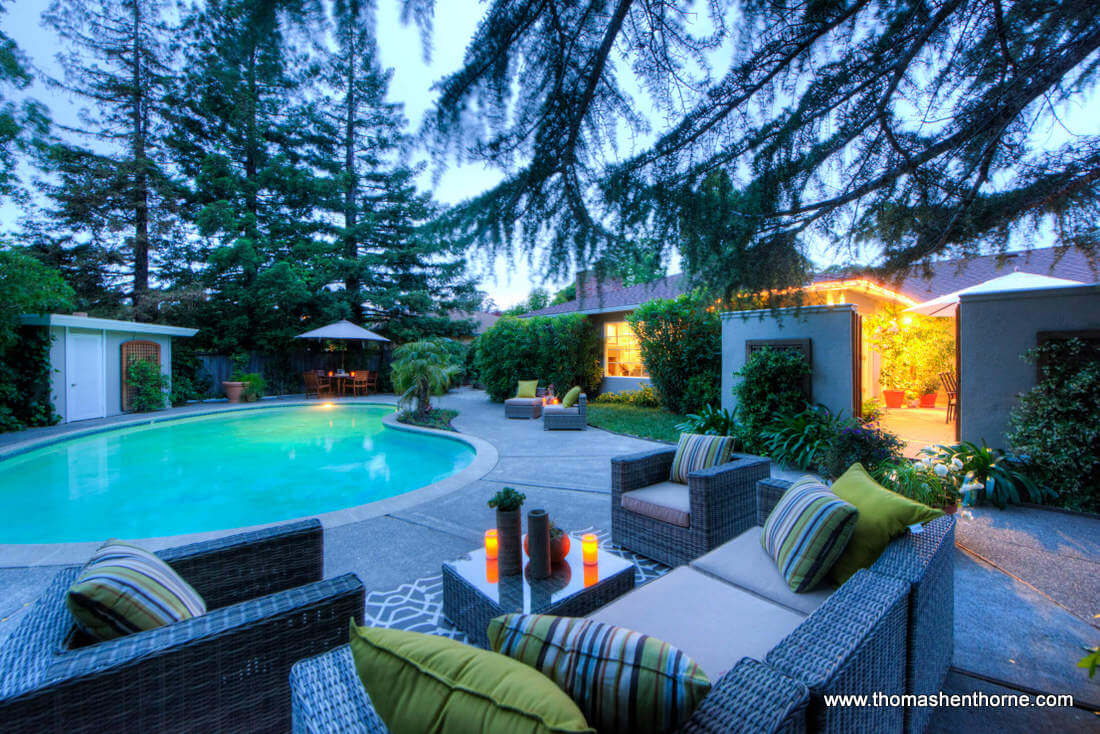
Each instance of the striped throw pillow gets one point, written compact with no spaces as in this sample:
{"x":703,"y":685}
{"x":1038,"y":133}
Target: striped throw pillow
{"x":622,"y":680}
{"x":696,"y":452}
{"x":125,"y":589}
{"x":807,"y":532}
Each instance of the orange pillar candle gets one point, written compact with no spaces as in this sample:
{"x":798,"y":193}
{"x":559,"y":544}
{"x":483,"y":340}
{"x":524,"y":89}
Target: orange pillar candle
{"x":491,"y":544}
{"x":492,"y":572}
{"x":589,"y":543}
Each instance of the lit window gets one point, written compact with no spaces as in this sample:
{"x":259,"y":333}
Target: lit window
{"x":622,"y":357}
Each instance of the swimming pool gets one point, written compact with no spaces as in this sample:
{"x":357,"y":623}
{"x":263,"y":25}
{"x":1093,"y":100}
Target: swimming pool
{"x":216,"y":472}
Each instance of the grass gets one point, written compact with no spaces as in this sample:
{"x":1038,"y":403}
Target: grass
{"x":654,"y":423}
{"x":438,"y":418}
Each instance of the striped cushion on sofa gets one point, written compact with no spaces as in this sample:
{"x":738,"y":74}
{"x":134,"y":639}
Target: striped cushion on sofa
{"x":125,"y":589}
{"x":696,"y":452}
{"x":622,"y":680}
{"x":807,"y":532}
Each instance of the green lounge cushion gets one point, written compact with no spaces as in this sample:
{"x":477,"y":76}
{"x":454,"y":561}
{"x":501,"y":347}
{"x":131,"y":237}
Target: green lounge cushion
{"x":623,"y":681}
{"x":883,"y":516}
{"x":422,"y":684}
{"x":807,"y":532}
{"x":571,"y":397}
{"x":696,"y":452}
{"x":125,"y":589}
{"x":527,"y":388}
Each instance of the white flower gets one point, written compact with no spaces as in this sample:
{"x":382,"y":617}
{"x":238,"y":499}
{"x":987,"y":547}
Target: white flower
{"x":956,"y":464}
{"x":940,"y":469}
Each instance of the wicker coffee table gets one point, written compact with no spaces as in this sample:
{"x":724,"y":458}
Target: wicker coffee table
{"x":473,"y":593}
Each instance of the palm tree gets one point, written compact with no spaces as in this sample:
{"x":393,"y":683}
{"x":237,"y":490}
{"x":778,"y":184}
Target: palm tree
{"x":422,"y":369}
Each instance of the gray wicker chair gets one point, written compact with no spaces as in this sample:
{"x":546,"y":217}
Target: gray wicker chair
{"x":226,"y":670}
{"x":722,"y":505}
{"x":555,"y":417}
{"x":528,"y":408}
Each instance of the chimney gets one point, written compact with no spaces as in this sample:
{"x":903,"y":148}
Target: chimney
{"x":589,"y":288}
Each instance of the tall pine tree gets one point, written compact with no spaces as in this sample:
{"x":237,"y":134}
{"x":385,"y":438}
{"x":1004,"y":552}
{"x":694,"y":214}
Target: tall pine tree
{"x":22,"y":123}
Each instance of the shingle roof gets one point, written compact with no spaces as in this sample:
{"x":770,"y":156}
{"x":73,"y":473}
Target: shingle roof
{"x":946,"y":276}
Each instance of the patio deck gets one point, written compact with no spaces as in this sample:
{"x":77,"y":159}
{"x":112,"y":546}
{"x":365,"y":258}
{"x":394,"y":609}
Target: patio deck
{"x":1023,"y":592}
{"x":919,"y":427}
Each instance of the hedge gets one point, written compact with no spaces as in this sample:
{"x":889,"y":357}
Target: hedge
{"x":560,"y":350}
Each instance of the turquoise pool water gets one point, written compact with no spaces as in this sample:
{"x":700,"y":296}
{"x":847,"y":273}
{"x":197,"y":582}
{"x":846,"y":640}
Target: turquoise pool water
{"x":216,"y":472}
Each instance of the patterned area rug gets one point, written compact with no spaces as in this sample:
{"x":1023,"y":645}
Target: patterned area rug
{"x":418,"y":606}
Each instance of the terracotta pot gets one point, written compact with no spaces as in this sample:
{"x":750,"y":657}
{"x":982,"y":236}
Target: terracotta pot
{"x":928,"y":400}
{"x":893,"y":398}
{"x":559,"y":548}
{"x":233,"y":390}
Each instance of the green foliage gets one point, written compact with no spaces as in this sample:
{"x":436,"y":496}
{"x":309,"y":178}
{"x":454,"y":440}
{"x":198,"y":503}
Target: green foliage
{"x":537,"y":299}
{"x":458,"y":355}
{"x":643,"y":397}
{"x":652,"y":423}
{"x":27,"y":287}
{"x":917,"y":482}
{"x":437,"y":418}
{"x":802,"y":439}
{"x":150,"y":385}
{"x":560,"y":350}
{"x":681,"y":345}
{"x":711,"y":421}
{"x":988,"y":475}
{"x":25,"y":381}
{"x":189,"y":382}
{"x":24,"y":124}
{"x":507,"y":499}
{"x":770,"y":387}
{"x":871,"y":411}
{"x":422,"y":369}
{"x":915,"y":349}
{"x":1055,"y":426}
{"x":1091,"y":661}
{"x":867,"y":445}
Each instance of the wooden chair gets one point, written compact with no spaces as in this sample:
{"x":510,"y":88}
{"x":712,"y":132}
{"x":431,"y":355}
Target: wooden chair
{"x":951,"y":387}
{"x":316,"y":385}
{"x":360,"y":383}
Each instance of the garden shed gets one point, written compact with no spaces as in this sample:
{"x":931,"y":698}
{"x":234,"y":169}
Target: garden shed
{"x":88,"y":357}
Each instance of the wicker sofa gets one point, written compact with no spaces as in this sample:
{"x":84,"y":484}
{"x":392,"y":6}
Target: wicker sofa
{"x":888,"y":629}
{"x":528,"y":408}
{"x":575,"y":418}
{"x":226,"y":670}
{"x":675,"y":523}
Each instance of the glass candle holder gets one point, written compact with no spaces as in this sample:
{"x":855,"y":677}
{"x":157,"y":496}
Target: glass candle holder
{"x":491,"y":544}
{"x":589,"y":545}
{"x":591,"y":575}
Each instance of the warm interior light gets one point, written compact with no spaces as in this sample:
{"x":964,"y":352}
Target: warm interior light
{"x":491,"y":544}
{"x":353,"y":373}
{"x":589,"y":545}
{"x":492,"y":572}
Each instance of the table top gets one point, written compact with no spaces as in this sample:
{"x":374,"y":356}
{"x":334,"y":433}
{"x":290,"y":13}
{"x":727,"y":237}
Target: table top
{"x":522,"y":593}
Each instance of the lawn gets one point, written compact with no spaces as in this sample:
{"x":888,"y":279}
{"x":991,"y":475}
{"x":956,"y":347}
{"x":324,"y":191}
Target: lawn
{"x":655,"y":423}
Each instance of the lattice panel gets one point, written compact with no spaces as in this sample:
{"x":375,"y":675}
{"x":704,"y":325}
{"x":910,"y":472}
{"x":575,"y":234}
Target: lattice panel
{"x":131,"y":350}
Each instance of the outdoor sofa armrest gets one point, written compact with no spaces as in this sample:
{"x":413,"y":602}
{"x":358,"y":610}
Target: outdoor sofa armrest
{"x":751,"y":697}
{"x":248,"y":565}
{"x":327,"y":696}
{"x":227,"y":669}
{"x":634,"y":471}
{"x":768,"y":492}
{"x":723,"y":497}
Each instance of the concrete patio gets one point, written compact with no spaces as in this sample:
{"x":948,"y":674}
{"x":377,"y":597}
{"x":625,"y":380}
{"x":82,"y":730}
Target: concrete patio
{"x":1025,"y":580}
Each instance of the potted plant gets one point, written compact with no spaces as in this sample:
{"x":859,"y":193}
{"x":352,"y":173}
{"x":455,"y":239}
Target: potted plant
{"x":928,"y":387}
{"x":235,"y":385}
{"x":507,"y":503}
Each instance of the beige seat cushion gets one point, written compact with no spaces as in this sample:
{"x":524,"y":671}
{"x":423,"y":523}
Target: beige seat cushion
{"x":713,"y":623}
{"x":523,"y":401}
{"x":666,"y":501}
{"x":558,"y":410}
{"x":744,"y":562}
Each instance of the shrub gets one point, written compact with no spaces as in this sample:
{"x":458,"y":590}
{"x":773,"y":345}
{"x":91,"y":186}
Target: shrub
{"x":681,"y":345}
{"x":456,"y":352}
{"x":1055,"y":426}
{"x":988,"y":474}
{"x":645,"y":397}
{"x":867,"y":445}
{"x":254,"y":386}
{"x":916,"y":481}
{"x":422,"y":369}
{"x":149,"y":385}
{"x":770,"y":388}
{"x":563,"y":350}
{"x":802,"y":439}
{"x":711,"y":421}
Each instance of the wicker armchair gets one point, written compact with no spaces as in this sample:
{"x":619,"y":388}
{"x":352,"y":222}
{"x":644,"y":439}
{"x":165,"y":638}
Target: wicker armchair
{"x":555,"y":417}
{"x":224,"y":671}
{"x":722,"y":505}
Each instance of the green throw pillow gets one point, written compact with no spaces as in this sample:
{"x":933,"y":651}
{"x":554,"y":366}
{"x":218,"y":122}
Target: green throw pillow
{"x":423,"y":683}
{"x":807,"y":532}
{"x":623,"y":681}
{"x":527,"y":388}
{"x":571,"y":397}
{"x":883,"y":516}
{"x":696,"y":452}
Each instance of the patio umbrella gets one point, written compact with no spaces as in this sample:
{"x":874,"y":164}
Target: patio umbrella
{"x":343,"y":330}
{"x":945,"y":305}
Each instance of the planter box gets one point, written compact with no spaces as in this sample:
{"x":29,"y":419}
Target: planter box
{"x":893,"y":398}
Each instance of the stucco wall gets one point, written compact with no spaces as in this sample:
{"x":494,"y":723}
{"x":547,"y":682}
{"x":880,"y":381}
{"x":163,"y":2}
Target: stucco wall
{"x":57,"y":369}
{"x":829,"y":328}
{"x":994,"y":330}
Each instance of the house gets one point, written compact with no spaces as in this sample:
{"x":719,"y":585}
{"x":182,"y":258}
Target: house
{"x":482,"y":320}
{"x":608,"y":302}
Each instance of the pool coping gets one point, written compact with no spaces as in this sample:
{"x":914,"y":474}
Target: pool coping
{"x":67,"y":554}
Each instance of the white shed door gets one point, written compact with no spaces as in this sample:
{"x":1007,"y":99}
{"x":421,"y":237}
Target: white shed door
{"x":86,"y":396}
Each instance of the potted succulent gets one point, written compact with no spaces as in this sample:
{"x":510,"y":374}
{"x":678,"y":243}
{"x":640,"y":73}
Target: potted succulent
{"x":507,"y":503}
